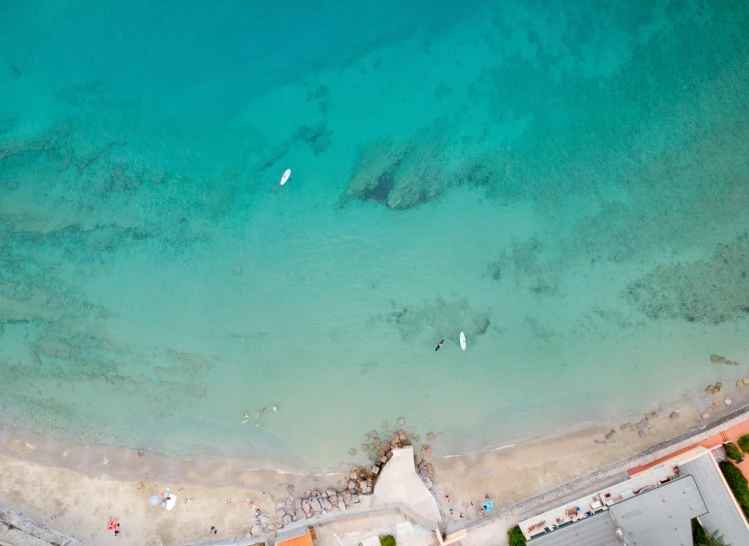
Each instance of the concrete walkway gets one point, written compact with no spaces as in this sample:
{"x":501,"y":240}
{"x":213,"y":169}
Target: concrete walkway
{"x":399,"y":484}
{"x":17,"y":530}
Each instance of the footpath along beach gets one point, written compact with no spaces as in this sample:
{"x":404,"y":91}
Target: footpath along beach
{"x":86,"y":486}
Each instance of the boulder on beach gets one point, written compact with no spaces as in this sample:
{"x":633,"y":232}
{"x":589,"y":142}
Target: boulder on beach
{"x":426,"y":449}
{"x":610,"y":433}
{"x":430,"y":437}
{"x":674,"y":415}
{"x":626,"y":427}
{"x":352,"y":451}
{"x":740,"y":383}
{"x":717,"y":359}
{"x":439,"y":435}
{"x":642,"y":433}
{"x":401,"y":421}
{"x":728,"y":401}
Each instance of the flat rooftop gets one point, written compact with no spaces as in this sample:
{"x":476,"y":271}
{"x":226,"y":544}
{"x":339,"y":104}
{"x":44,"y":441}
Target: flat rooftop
{"x":723,"y":512}
{"x":660,"y":516}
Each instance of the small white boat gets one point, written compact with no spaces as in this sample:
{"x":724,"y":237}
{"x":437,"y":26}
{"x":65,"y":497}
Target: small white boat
{"x":285,"y":177}
{"x":462,"y":341}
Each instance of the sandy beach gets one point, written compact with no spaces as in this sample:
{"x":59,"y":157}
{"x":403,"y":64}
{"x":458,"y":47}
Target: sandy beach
{"x":84,"y":486}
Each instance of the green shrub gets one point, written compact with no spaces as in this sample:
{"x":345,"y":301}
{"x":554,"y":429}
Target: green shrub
{"x":387,"y":541}
{"x":737,"y":482}
{"x":516,"y":536}
{"x":744,"y":443}
{"x":699,"y":536}
{"x":732,"y":451}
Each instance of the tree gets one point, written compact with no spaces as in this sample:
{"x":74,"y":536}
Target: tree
{"x":387,"y":541}
{"x":699,"y":536}
{"x":714,"y":540}
{"x":737,"y":482}
{"x":732,"y":451}
{"x":744,"y":443}
{"x":516,"y":536}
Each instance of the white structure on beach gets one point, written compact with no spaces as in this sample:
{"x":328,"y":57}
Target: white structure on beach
{"x":400,"y":485}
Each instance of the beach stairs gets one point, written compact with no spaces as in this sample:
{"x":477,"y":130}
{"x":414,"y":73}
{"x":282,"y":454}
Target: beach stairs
{"x":452,"y":538}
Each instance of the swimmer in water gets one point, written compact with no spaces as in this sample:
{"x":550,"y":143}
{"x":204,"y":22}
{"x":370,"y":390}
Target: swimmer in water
{"x":256,"y":425}
{"x":275,"y":408}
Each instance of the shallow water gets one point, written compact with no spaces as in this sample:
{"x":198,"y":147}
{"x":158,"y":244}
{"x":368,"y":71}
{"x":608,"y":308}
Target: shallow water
{"x":565,"y":183}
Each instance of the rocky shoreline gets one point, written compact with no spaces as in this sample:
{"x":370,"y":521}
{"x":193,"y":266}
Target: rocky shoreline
{"x":358,"y":489}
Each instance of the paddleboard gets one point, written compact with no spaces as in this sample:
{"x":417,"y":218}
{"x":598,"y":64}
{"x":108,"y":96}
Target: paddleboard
{"x":171,"y":502}
{"x":439,"y":345}
{"x":285,"y":177}
{"x":462,"y":341}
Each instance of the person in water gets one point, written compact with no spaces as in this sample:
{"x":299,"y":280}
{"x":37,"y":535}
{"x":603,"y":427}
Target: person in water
{"x":439,"y":345}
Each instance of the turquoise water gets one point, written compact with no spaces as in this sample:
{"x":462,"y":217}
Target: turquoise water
{"x":566,"y":182}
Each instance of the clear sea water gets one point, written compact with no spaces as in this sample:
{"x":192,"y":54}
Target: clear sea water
{"x":566,"y":182}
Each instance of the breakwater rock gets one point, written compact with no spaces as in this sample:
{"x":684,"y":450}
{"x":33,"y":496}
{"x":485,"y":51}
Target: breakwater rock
{"x":361,"y":483}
